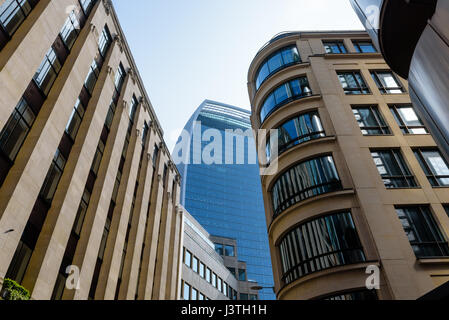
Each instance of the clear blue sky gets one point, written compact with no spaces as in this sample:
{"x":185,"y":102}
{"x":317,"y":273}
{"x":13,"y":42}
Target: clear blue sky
{"x":191,"y":50}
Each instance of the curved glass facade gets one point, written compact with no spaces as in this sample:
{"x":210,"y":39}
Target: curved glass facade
{"x":226,"y":199}
{"x":277,"y":61}
{"x":320,"y":244}
{"x":305,"y":180}
{"x":298,"y":130}
{"x":286,"y":92}
{"x":362,"y":295}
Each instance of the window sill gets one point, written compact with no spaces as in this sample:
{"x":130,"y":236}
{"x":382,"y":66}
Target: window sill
{"x":350,"y":55}
{"x":431,"y":261}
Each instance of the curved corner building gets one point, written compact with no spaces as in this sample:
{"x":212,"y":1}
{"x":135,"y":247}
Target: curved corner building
{"x":413,"y":37}
{"x":360,"y":184}
{"x":226,"y":198}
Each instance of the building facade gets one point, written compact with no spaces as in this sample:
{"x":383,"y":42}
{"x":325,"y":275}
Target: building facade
{"x":360,"y":184}
{"x":413,"y":37}
{"x":88,"y":191}
{"x":207,"y":274}
{"x":221,"y":185}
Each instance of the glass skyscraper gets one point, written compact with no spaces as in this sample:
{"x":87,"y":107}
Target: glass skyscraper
{"x":226,"y":196}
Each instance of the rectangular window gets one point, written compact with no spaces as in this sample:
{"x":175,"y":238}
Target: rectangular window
{"x":47,"y":72}
{"x":244,"y":296}
{"x":232,"y":270}
{"x":370,"y":120}
{"x":194,"y":294}
{"x":155,"y":155}
{"x":423,"y":232}
{"x":119,"y":78}
{"x":446,"y":207}
{"x":16,"y":130}
{"x":408,"y":120}
{"x":186,"y":291}
{"x":133,"y":108}
{"x":87,"y":6}
{"x":82,"y":209}
{"x":364,"y":46}
{"x":92,"y":77}
{"x":53,"y":176}
{"x":220,"y":285}
{"x":97,"y":158}
{"x":188,"y":258}
{"x":242,"y":275}
{"x":195,"y":264}
{"x":219,"y":248}
{"x":214,"y":280}
{"x":70,"y":30}
{"x":75,"y":120}
{"x":201,"y":297}
{"x":334,"y":47}
{"x":208,"y":275}
{"x":202,"y":270}
{"x":229,"y":251}
{"x":353,"y":82}
{"x":13,"y":13}
{"x":105,"y":41}
{"x":387,"y":82}
{"x":110,"y":115}
{"x":393,"y":169}
{"x":434,"y":165}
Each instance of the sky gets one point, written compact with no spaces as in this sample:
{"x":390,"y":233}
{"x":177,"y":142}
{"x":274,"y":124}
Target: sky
{"x":191,"y":50}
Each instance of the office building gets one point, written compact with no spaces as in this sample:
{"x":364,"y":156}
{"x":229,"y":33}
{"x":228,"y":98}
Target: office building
{"x":413,"y":37}
{"x":360,"y":185}
{"x":88,"y":191}
{"x":221,"y":184}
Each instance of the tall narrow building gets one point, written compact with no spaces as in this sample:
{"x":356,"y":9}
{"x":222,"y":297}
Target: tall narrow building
{"x":361,"y":188}
{"x":224,"y":193}
{"x":88,"y":192}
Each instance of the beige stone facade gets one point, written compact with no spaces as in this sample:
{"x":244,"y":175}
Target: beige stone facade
{"x":363,"y":193}
{"x":129,"y":239}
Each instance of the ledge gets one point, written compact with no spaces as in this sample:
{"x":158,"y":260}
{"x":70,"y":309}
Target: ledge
{"x":352,"y":55}
{"x":432,"y":261}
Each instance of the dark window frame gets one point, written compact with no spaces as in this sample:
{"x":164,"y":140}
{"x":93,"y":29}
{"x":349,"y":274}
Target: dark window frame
{"x":358,"y":48}
{"x":382,"y":125}
{"x":434,"y":180}
{"x":383,"y":89}
{"x":394,"y":108}
{"x":363,"y":89}
{"x":329,"y":44}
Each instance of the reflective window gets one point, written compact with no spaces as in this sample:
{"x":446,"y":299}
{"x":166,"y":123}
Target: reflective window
{"x":393,"y":169}
{"x":320,"y":244}
{"x":119,"y":78}
{"x":194,"y":294}
{"x":201,"y":297}
{"x":334,"y":47}
{"x":289,"y":91}
{"x":202,"y":270}
{"x":242,"y":275}
{"x":244,"y":296}
{"x":75,"y":120}
{"x":303,"y":181}
{"x":97,"y":158}
{"x":16,"y":130}
{"x":363,"y":295}
{"x":70,"y":30}
{"x":82,"y":209}
{"x":365,"y":46}
{"x":188,"y":259}
{"x":214,"y":280}
{"x":423,"y":232}
{"x":13,"y":13}
{"x":370,"y":120}
{"x":105,"y":41}
{"x":434,"y":166}
{"x":408,"y":120}
{"x":387,"y":82}
{"x":92,"y":77}
{"x":53,"y":176}
{"x":208,"y":275}
{"x":87,"y":5}
{"x":277,"y":61}
{"x":220,"y":285}
{"x":186,"y":291}
{"x":353,"y":83}
{"x":47,"y":72}
{"x":19,"y":262}
{"x":219,"y":248}
{"x":133,"y":108}
{"x":296,"y":131}
{"x":195,"y":264}
{"x":229,"y":251}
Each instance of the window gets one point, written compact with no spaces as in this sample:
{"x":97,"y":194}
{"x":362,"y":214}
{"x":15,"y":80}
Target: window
{"x":75,"y":120}
{"x":47,"y":72}
{"x":434,"y":166}
{"x":334,"y":47}
{"x":219,"y":248}
{"x":244,"y":296}
{"x":353,"y":83}
{"x":275,"y":62}
{"x":296,"y":131}
{"x":87,"y":6}
{"x":13,"y":13}
{"x":53,"y":176}
{"x":188,"y":259}
{"x":133,"y":108}
{"x":105,"y":41}
{"x":364,"y":46}
{"x":232,"y":270}
{"x":16,"y":130}
{"x":201,"y":297}
{"x":285,"y":93}
{"x":305,"y":180}
{"x":155,"y":155}
{"x":82,"y":210}
{"x":408,"y":120}
{"x":119,"y":78}
{"x":97,"y":158}
{"x":195,"y":264}
{"x":392,"y":169}
{"x":70,"y":30}
{"x":92,"y":77}
{"x":446,"y":207}
{"x":110,"y":115}
{"x":194,"y":294}
{"x":422,"y":231}
{"x":214,"y":280}
{"x":208,"y":275}
{"x":320,"y":244}
{"x":387,"y":82}
{"x":363,"y":295}
{"x":19,"y":262}
{"x":186,"y":291}
{"x":242,"y":275}
{"x":104,"y":239}
{"x":220,"y":285}
{"x":202,"y":270}
{"x":253,"y":297}
{"x":229,"y":251}
{"x":370,"y":120}
{"x":225,"y":288}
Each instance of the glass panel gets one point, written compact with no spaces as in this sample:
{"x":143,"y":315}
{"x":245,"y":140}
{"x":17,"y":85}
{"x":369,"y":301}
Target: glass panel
{"x":188,"y":259}
{"x":186,"y":292}
{"x":229,"y":251}
{"x":275,"y":62}
{"x":75,"y":120}
{"x":393,"y":170}
{"x":195,"y":264}
{"x":13,"y":13}
{"x":53,"y":176}
{"x":370,"y":121}
{"x":70,"y":30}
{"x":47,"y":72}
{"x":364,"y":47}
